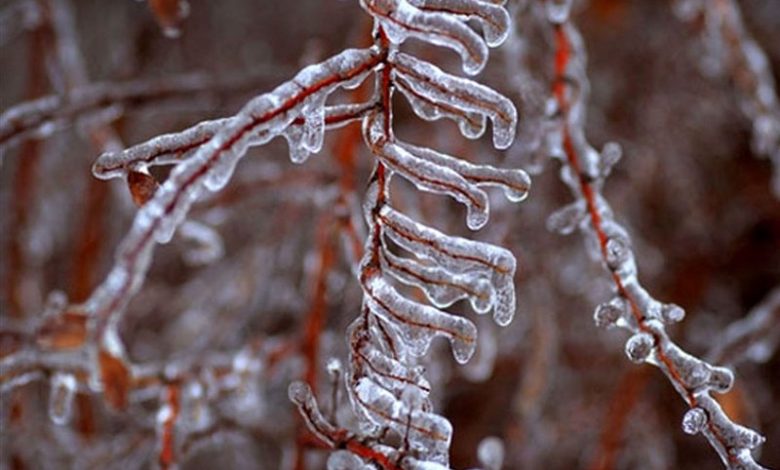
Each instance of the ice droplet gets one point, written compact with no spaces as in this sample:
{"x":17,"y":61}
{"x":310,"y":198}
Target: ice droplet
{"x":491,"y":453}
{"x":608,"y":313}
{"x":694,"y":421}
{"x":672,"y":313}
{"x":639,"y":346}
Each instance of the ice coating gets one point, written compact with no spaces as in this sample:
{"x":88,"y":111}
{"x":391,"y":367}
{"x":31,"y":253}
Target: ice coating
{"x":430,"y":177}
{"x":438,"y":86}
{"x":632,"y":308}
{"x":419,"y":323}
{"x":401,"y":20}
{"x":458,"y":255}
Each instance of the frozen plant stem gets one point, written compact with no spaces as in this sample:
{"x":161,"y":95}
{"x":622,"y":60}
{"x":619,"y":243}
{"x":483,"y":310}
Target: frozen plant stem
{"x":633,"y":309}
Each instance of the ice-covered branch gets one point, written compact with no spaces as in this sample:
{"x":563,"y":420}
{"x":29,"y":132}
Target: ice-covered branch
{"x":633,"y":308}
{"x":107,"y":101}
{"x":386,"y":388}
{"x":298,"y":105}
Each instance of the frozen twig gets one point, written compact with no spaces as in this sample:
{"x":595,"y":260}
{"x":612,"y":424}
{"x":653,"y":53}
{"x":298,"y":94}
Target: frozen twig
{"x":633,"y":308}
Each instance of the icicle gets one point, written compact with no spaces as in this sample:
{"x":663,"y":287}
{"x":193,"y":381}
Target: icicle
{"x":345,"y":460}
{"x":457,"y":255}
{"x":63,"y":389}
{"x":514,"y":182}
{"x":427,"y":176}
{"x":438,"y":86}
{"x":472,"y":125}
{"x":427,"y":431}
{"x":607,"y":314}
{"x":418,"y":323}
{"x":494,"y":19}
{"x":694,"y":421}
{"x":401,"y":20}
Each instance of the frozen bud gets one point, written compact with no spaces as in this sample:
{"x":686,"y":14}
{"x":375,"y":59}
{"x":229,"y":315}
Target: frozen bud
{"x":299,"y":393}
{"x":639,"y":346}
{"x":491,"y":453}
{"x":618,"y":252}
{"x":608,"y":313}
{"x":63,"y":387}
{"x":565,"y":220}
{"x":558,"y":10}
{"x":334,"y":368}
{"x":721,"y":379}
{"x":672,"y":313}
{"x":695,"y":373}
{"x":610,"y":155}
{"x":694,"y":421}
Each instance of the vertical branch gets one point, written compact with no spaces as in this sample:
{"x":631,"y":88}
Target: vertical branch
{"x":167,"y":418}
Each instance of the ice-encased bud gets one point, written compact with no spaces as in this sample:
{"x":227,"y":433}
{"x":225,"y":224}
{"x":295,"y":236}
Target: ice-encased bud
{"x":721,"y":379}
{"x":639,"y":347}
{"x":610,"y":155}
{"x":672,"y":313}
{"x":608,"y":313}
{"x":694,"y":421}
{"x":298,"y":392}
